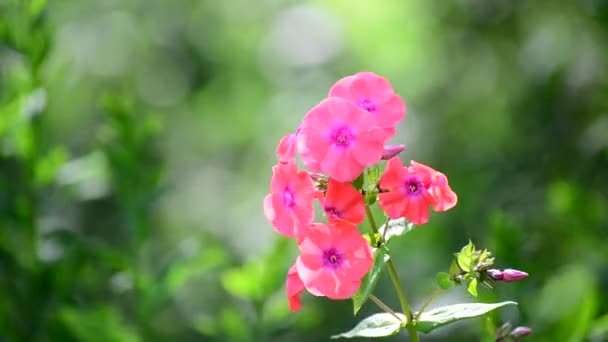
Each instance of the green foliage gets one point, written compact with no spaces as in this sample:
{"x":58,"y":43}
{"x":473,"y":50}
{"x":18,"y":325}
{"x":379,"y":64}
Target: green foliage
{"x":395,"y":228}
{"x":368,"y":283}
{"x":135,"y":149}
{"x":433,"y":319}
{"x":377,"y":325}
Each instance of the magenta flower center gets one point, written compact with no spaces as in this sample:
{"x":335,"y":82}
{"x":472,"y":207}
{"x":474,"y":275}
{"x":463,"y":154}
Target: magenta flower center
{"x":332,"y":212}
{"x":342,"y":136}
{"x":332,"y":258}
{"x":413,"y":186}
{"x":367,"y":105}
{"x":288,"y":198}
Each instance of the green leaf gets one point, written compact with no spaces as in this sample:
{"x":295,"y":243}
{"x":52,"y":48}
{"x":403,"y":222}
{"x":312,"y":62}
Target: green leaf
{"x":433,"y":319}
{"x":96,"y":325}
{"x":395,"y":228}
{"x":36,"y":7}
{"x":371,"y":196}
{"x":359,"y":181}
{"x":369,"y":282}
{"x":377,"y":325}
{"x":443,"y":280}
{"x":373,"y":174}
{"x":454,"y":269}
{"x":466,"y":257}
{"x":472,"y":287}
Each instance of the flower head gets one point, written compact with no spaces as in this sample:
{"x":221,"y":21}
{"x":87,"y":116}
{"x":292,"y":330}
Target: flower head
{"x":334,"y":259}
{"x":443,"y":196}
{"x":339,"y":139}
{"x":289,"y":207}
{"x":343,"y":202}
{"x":408,"y":194}
{"x":375,"y":95}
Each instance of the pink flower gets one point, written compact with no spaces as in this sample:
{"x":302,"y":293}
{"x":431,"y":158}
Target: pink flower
{"x":408,"y":194}
{"x":340,"y":140}
{"x":288,"y":207}
{"x":295,"y":286}
{"x":287,"y":147}
{"x":374,"y":94}
{"x":334,"y":259}
{"x":443,"y":196}
{"x":343,"y":202}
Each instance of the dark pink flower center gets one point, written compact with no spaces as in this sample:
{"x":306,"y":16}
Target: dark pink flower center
{"x":288,"y":198}
{"x":342,"y":136}
{"x":332,"y":258}
{"x":413,"y":186}
{"x":333,"y":212}
{"x":368,"y":105}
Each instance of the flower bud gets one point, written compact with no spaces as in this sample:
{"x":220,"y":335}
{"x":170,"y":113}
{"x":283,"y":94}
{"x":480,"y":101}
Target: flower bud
{"x":510,"y":275}
{"x":520,"y":332}
{"x":495,"y":274}
{"x":391,"y":151}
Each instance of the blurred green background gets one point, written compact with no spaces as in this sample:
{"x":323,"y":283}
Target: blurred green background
{"x":137,"y":138}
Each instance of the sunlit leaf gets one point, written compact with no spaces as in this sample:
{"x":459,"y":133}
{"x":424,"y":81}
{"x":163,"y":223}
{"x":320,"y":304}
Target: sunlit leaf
{"x":377,"y":325}
{"x":433,"y":319}
{"x":466,"y":257}
{"x":96,"y":325}
{"x":472,"y":287}
{"x":395,"y":228}
{"x":369,"y":281}
{"x":443,"y":280}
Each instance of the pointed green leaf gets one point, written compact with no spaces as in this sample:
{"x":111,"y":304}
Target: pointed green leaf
{"x":395,"y":228}
{"x":359,"y":181}
{"x":433,"y":319}
{"x":472,"y":287}
{"x":443,"y":280}
{"x":369,"y":282}
{"x":454,"y":269}
{"x":466,"y":257}
{"x":377,"y":325}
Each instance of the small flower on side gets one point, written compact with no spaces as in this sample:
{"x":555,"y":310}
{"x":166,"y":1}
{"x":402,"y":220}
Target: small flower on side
{"x":343,"y":202}
{"x":334,"y":259}
{"x":391,"y":151}
{"x":443,"y":196}
{"x":520,"y":332}
{"x":408,"y":194}
{"x":289,"y":206}
{"x":508,"y":275}
{"x":339,"y":139}
{"x":375,"y":95}
{"x":287,"y":147}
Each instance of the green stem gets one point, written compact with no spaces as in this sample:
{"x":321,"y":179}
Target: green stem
{"x":435,"y":294}
{"x":396,"y":284}
{"x":383,"y":306}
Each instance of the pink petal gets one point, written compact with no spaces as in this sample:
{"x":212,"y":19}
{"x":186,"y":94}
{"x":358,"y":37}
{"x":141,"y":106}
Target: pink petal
{"x":393,"y":203}
{"x":287,"y":147}
{"x":295,"y":286}
{"x":372,"y":86}
{"x":341,"y":88}
{"x":393,"y":175}
{"x":391,"y":112}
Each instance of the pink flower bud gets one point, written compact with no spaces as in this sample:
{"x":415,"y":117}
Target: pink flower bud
{"x":495,"y":274}
{"x":510,"y":275}
{"x":520,"y":332}
{"x":391,"y":151}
